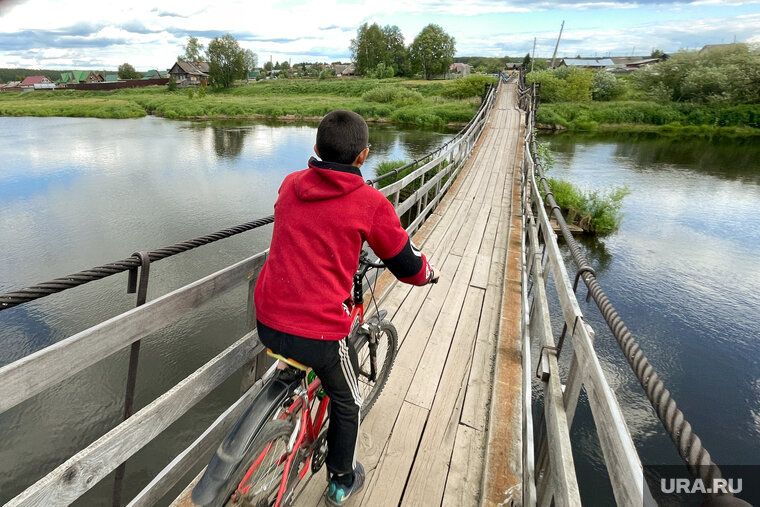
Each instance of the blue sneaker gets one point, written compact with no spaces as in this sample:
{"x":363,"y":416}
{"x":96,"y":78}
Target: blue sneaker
{"x":338,"y":494}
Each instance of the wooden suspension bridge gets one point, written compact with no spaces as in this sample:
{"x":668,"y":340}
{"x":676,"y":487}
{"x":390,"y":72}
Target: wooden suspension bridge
{"x":454,"y":423}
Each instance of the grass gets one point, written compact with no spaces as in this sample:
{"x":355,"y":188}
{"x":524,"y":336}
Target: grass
{"x":593,"y":210}
{"x":423,"y":103}
{"x":670,"y":119}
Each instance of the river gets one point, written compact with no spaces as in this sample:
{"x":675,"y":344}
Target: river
{"x":79,"y":192}
{"x":76,"y":193}
{"x":683,"y":273}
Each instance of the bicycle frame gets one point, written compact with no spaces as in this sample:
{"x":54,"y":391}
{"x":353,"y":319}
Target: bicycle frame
{"x":306,"y":431}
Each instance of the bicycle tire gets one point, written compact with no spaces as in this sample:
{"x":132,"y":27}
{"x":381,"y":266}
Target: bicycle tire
{"x":271,"y":432}
{"x":388,"y":341}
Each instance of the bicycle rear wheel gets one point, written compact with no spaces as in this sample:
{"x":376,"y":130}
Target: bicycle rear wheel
{"x":260,"y":484}
{"x":383,"y":355}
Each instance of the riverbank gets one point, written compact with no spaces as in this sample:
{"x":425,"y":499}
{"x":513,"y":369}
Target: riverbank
{"x":434,"y":103}
{"x":670,"y":118}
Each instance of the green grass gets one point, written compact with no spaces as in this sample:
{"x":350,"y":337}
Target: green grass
{"x":593,"y":210}
{"x":670,"y":118}
{"x":423,"y":103}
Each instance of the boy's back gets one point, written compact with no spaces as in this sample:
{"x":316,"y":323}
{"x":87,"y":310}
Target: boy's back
{"x":322,"y":216}
{"x":321,"y":219}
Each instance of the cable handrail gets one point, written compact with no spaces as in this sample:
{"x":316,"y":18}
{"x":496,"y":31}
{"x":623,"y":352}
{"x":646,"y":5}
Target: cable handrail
{"x":689,"y":446}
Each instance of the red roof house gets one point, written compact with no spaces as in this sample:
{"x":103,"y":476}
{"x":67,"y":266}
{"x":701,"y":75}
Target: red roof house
{"x":30,"y":81}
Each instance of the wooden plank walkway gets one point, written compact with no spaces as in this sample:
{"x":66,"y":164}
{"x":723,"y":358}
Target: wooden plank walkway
{"x":434,"y":436}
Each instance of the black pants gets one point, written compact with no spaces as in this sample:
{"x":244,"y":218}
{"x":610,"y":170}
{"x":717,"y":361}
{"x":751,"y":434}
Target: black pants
{"x":336,"y":364}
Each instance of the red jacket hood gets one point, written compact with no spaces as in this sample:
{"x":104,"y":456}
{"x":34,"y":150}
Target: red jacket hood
{"x":326,"y":180}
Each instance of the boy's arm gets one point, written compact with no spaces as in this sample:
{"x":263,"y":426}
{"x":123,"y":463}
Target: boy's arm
{"x":391,"y":243}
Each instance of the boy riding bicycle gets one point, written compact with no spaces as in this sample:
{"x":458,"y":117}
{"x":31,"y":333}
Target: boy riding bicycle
{"x":323,"y":215}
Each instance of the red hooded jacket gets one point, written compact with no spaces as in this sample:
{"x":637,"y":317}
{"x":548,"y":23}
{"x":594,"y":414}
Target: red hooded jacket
{"x":322,"y":217}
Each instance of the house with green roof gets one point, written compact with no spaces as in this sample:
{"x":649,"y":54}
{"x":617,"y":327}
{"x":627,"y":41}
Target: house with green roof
{"x":80,"y":76}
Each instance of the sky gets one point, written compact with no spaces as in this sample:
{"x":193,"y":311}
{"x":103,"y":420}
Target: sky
{"x":149,"y":34}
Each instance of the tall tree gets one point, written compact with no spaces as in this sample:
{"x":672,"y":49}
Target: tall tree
{"x":368,"y":48}
{"x":193,"y":51}
{"x":227,"y":61}
{"x":251,"y":59}
{"x":526,"y":61}
{"x":396,"y":55}
{"x":432,"y":51}
{"x":126,"y":71}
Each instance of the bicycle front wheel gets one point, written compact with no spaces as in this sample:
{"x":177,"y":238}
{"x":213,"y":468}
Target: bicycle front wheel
{"x":375,"y":363}
{"x":258,"y":480}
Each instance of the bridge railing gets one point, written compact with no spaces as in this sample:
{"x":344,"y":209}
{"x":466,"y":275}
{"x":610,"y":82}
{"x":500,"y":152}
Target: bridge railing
{"x":623,"y":464}
{"x":46,"y":368}
{"x":549,"y":469}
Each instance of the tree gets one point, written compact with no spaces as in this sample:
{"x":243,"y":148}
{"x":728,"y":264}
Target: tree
{"x":193,"y":51}
{"x":126,"y":71}
{"x":268,"y":66}
{"x":657,"y":53}
{"x":526,"y":61}
{"x":432,"y":51}
{"x":396,"y":55}
{"x":251,"y":59}
{"x":227,"y":61}
{"x":368,"y":48}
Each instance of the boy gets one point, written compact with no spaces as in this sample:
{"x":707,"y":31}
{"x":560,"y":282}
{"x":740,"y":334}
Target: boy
{"x":322,"y":217}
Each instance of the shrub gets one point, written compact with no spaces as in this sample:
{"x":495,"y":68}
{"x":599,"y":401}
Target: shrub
{"x":470,"y":86}
{"x":392,"y":94}
{"x":596,"y":211}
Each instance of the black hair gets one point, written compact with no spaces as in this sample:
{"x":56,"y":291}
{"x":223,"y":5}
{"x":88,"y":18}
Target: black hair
{"x":341,"y":136}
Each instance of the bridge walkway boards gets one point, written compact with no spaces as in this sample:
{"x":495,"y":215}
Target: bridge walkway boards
{"x":426,"y":440}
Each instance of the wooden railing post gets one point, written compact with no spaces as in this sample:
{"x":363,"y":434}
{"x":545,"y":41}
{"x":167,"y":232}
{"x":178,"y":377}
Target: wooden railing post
{"x":258,"y":365}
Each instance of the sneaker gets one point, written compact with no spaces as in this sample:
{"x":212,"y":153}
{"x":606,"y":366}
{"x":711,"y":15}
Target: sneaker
{"x":338,"y":494}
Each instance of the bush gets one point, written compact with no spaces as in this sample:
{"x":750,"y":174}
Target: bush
{"x":563,"y":84}
{"x":595,"y":210}
{"x":392,"y":94}
{"x":728,"y":75}
{"x":470,"y":86}
{"x":604,"y":86}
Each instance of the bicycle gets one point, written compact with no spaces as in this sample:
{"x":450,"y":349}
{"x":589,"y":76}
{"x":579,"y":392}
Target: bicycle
{"x":282,"y":434}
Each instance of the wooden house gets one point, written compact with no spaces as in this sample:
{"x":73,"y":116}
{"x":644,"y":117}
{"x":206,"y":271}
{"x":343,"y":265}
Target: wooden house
{"x":190,"y":73}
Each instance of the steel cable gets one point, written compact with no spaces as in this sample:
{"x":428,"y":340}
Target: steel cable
{"x":697,"y":458}
{"x":15,"y":298}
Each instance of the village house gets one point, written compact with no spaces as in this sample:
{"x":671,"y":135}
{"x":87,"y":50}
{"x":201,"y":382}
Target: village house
{"x":587,"y":63}
{"x":79,"y":77}
{"x":11,"y":86}
{"x":460,"y":69}
{"x":190,"y":73}
{"x":36,"y":82}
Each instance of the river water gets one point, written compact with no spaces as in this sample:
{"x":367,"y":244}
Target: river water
{"x":683,"y":273}
{"x":77,"y":193}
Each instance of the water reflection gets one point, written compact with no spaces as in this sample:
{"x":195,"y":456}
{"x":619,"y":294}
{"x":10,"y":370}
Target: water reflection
{"x":228,"y":142}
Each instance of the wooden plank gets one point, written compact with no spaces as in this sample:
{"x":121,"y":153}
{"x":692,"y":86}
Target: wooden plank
{"x":45,"y":368}
{"x":428,"y":374}
{"x":86,"y":468}
{"x":463,"y":484}
{"x":390,"y":476}
{"x":427,"y":480}
{"x":208,"y":440}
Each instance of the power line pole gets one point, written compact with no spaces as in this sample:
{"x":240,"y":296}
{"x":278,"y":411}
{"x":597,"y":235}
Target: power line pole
{"x":554,"y":56}
{"x":534,"y":54}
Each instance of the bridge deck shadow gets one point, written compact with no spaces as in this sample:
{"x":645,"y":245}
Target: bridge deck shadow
{"x":440,"y":433}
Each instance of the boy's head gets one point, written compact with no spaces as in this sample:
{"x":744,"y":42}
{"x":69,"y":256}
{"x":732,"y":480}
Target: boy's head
{"x":341,"y":137}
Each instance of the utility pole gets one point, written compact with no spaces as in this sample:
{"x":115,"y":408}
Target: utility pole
{"x":534,"y":54}
{"x":554,"y":56}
